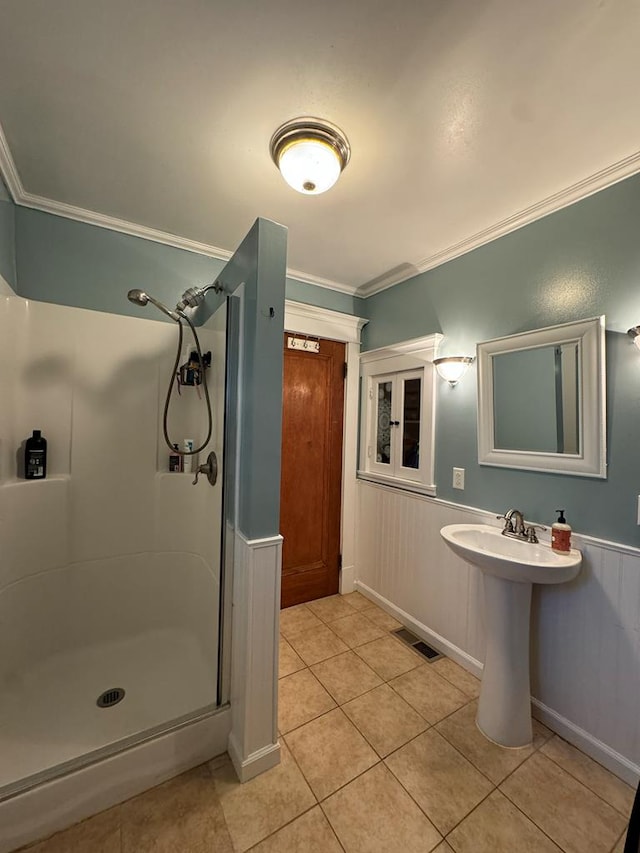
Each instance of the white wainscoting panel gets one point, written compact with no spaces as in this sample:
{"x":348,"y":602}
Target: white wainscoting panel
{"x":585,"y":635}
{"x":253,"y":742}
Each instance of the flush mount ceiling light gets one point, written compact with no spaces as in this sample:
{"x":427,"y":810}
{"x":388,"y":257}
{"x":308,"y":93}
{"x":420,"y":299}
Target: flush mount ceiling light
{"x":453,"y":367}
{"x":634,"y":333}
{"x":310,"y":153}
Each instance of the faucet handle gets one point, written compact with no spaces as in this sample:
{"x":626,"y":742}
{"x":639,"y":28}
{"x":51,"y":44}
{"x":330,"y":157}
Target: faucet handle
{"x":508,"y":526}
{"x":209,"y":469}
{"x":530,"y":532}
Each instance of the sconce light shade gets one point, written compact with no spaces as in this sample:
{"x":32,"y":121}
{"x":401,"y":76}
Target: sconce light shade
{"x":634,"y":333}
{"x":310,"y":153}
{"x":453,"y":367}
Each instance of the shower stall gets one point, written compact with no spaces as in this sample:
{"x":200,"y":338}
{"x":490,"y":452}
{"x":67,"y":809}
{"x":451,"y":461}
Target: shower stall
{"x":116,"y":572}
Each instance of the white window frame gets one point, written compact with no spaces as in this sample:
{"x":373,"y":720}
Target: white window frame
{"x":394,"y":468}
{"x":408,"y":359}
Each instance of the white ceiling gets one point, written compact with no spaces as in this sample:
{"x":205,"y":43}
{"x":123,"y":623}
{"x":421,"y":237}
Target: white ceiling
{"x":460,"y":114}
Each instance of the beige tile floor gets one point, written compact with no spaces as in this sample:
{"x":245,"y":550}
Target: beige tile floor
{"x":380,"y":753}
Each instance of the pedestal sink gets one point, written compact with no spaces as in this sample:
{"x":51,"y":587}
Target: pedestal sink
{"x":510,"y":567}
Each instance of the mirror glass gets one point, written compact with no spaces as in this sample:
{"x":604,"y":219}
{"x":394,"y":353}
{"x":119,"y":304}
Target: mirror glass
{"x":536,"y":399}
{"x":541,"y":400}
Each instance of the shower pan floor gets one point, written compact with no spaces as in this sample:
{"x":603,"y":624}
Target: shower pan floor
{"x":49,"y":714}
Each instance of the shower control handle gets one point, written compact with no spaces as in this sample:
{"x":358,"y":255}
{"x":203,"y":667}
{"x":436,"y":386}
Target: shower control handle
{"x":209,"y":469}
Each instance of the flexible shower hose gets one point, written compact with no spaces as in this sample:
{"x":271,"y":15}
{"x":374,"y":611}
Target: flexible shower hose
{"x":165,"y":428}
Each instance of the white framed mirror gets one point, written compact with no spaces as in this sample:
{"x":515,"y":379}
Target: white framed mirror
{"x":541,"y":400}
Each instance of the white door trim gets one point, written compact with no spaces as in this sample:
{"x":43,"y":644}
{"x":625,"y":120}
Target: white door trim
{"x":336,"y":326}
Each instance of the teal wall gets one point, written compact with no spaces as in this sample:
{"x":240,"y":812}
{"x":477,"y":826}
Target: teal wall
{"x":260,"y":265}
{"x":7,"y":237}
{"x":299,"y":291}
{"x":71,"y":263}
{"x":580,"y":262}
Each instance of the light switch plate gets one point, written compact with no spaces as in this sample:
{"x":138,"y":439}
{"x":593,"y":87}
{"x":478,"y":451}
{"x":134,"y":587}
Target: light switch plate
{"x":458,"y":478}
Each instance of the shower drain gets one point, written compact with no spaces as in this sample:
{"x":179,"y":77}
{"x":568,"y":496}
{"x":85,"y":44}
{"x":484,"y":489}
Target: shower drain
{"x":110,"y":697}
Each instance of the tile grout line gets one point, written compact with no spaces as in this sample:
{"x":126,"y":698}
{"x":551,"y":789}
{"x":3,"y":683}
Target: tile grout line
{"x":283,"y":735}
{"x":359,"y":695}
{"x":320,"y":802}
{"x":442,"y":675}
{"x":622,"y":835}
{"x":379,"y":761}
{"x":496,"y":787}
{"x":354,"y":649}
{"x":383,"y":759}
{"x":524,"y":814}
{"x":577,"y":779}
{"x":400,"y":782}
{"x":516,"y":806}
{"x":446,"y":716}
{"x":470,"y":699}
{"x":287,"y":823}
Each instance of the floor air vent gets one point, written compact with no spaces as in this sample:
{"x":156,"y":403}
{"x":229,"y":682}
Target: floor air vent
{"x":417,"y":644}
{"x":110,"y":697}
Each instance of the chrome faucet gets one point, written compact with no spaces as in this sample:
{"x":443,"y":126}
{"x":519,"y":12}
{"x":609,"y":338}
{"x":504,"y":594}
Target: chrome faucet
{"x":510,"y":528}
{"x":518,"y":529}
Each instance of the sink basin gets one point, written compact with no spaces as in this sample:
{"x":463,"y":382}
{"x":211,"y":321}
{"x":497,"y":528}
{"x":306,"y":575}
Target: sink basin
{"x":508,"y":558}
{"x":510,"y":567}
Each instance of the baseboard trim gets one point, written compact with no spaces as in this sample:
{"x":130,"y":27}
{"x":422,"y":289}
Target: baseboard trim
{"x":259,"y":761}
{"x":347,"y":579}
{"x":431,"y":637}
{"x":590,"y":745}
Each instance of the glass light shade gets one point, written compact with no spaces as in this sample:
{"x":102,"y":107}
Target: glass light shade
{"x":452,"y":368}
{"x":634,"y":334}
{"x":310,"y":166}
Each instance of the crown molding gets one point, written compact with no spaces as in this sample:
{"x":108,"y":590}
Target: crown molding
{"x":317,"y":281}
{"x":323,"y":322}
{"x":23,"y":198}
{"x":576,"y":192}
{"x":563,"y":198}
{"x":79,"y":214}
{"x":424,"y":349}
{"x":402,"y":272}
{"x":122,"y":226}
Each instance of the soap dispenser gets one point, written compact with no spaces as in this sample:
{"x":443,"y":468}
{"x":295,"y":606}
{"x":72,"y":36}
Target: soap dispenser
{"x":561,"y":533}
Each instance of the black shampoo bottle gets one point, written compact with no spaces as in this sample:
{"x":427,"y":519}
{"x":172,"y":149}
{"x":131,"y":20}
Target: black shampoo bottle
{"x":35,"y":457}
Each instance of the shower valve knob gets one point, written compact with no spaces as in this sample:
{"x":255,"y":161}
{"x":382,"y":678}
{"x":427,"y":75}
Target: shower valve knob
{"x":209,"y":469}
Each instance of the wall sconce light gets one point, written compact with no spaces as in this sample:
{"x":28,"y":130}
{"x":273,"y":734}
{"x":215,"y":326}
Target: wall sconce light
{"x":310,"y":153}
{"x":634,"y":334}
{"x":453,"y":367}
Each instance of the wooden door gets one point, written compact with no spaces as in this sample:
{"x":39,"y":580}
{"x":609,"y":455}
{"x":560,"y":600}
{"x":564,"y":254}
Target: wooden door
{"x":310,"y":494}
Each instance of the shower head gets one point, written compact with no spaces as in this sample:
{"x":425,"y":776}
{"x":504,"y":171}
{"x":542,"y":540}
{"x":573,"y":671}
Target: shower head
{"x":139,"y":297}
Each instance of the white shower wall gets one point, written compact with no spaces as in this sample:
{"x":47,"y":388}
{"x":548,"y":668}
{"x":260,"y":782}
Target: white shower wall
{"x":109,"y":574}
